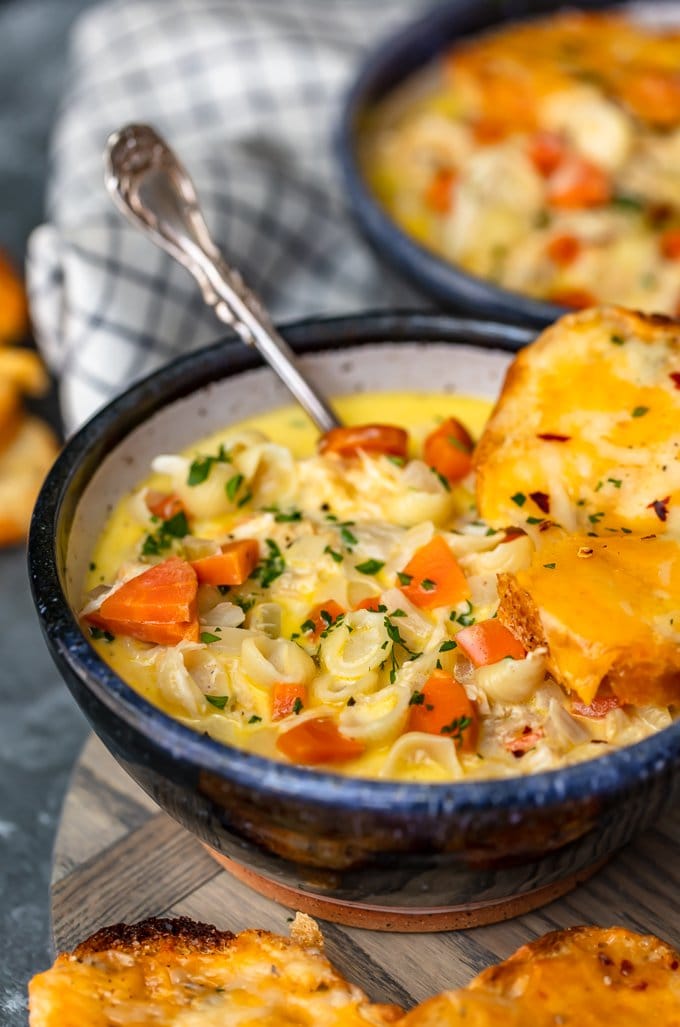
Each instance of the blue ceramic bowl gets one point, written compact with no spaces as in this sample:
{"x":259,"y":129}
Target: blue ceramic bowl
{"x":376,"y":845}
{"x":385,"y":68}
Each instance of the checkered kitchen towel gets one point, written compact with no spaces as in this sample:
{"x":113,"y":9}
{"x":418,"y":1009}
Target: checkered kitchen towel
{"x":248,"y":93}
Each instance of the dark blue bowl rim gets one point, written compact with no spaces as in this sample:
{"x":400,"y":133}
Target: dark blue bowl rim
{"x":609,"y":774}
{"x":447,"y":280}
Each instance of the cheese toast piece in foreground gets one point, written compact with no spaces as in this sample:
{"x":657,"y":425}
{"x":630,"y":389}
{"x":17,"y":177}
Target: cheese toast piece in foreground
{"x":607,"y":609}
{"x":177,"y":973}
{"x":585,"y":976}
{"x":586,"y":431}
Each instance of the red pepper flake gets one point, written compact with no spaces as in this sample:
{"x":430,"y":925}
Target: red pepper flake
{"x":511,"y":534}
{"x":675,"y":378}
{"x":523,"y":743}
{"x":542,"y":501}
{"x":549,"y":436}
{"x":660,"y":507}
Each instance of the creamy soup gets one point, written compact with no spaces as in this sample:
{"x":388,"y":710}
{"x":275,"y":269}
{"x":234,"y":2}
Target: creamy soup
{"x":337,"y":608}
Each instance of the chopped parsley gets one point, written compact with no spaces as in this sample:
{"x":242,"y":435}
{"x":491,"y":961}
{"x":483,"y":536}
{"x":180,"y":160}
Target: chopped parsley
{"x":347,"y":537}
{"x":370,"y":566}
{"x":219,"y":701}
{"x":334,"y":554}
{"x":445,"y":647}
{"x":175,"y":527}
{"x":596,"y":517}
{"x":254,"y":719}
{"x":456,"y":728}
{"x":639,"y":411}
{"x":298,"y":705}
{"x":201,"y":467}
{"x":428,"y":584}
{"x":550,"y":566}
{"x":519,"y":499}
{"x":465,"y":618}
{"x":535,"y":520}
{"x":404,"y":579}
{"x":282,"y":516}
{"x":233,"y":485}
{"x":417,"y":699}
{"x":207,"y":637}
{"x":307,"y":626}
{"x":617,"y":340}
{"x":99,"y":633}
{"x":444,"y":482}
{"x":616,"y":482}
{"x":625,"y":202}
{"x":272,"y":566}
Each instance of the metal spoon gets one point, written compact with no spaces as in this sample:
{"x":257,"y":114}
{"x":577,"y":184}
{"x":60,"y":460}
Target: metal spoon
{"x":152,"y":188}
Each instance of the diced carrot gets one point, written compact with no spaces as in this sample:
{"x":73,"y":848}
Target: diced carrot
{"x":159,"y":605}
{"x":164,"y":504}
{"x":287,"y":699}
{"x":158,"y":632}
{"x":368,"y":438}
{"x":231,"y":566}
{"x":547,"y":150}
{"x":669,"y":244}
{"x":443,"y":708}
{"x":575,"y":299}
{"x":487,"y":131}
{"x":448,"y":450}
{"x":600,"y":706}
{"x":332,"y":611}
{"x":371,"y":603}
{"x":318,"y":741}
{"x":436,"y":578}
{"x":578,"y":183}
{"x":564,"y":249}
{"x":439,"y":192}
{"x":653,"y":94}
{"x":488,"y":642}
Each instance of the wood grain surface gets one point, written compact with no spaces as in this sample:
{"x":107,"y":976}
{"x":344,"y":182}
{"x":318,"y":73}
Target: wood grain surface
{"x":117,"y":857}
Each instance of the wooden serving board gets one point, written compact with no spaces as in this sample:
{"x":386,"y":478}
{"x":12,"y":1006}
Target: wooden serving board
{"x":118,"y":857}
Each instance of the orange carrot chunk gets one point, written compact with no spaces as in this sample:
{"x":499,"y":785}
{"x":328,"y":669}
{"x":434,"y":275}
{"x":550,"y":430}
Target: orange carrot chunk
{"x":443,"y":708}
{"x":233,"y":565}
{"x":287,"y":699}
{"x":158,"y":605}
{"x":669,"y":244}
{"x":158,"y":632}
{"x":448,"y":449}
{"x":323,"y":615}
{"x":439,"y":192}
{"x":370,"y":603}
{"x":575,"y":299}
{"x":564,"y":250}
{"x":433,"y":577}
{"x":488,"y":642}
{"x":318,"y":741}
{"x":164,"y":504}
{"x":383,"y":439}
{"x":546,"y":152}
{"x":578,"y":183}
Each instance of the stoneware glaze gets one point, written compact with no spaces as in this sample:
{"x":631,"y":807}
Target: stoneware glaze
{"x":384,"y":69}
{"x":380,"y":845}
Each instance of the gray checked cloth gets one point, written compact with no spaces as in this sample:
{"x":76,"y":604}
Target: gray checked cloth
{"x":248,"y":92}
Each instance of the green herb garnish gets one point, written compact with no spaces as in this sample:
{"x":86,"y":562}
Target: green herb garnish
{"x":220,"y":701}
{"x":370,"y":566}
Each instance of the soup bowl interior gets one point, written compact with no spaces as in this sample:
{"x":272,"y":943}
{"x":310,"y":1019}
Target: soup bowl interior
{"x":383,"y":844}
{"x":385,"y":69}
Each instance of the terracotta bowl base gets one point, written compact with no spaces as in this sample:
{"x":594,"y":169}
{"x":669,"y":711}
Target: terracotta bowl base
{"x":401,"y":919}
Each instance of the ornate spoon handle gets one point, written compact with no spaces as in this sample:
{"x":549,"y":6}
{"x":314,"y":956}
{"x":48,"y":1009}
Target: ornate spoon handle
{"x":152,"y":188}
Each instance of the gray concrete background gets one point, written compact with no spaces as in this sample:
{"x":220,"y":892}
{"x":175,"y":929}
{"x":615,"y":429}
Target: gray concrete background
{"x":41,"y":728}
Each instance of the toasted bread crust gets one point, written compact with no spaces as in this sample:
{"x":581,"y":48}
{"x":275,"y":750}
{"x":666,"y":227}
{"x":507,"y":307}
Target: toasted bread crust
{"x":594,"y":974}
{"x":178,"y":934}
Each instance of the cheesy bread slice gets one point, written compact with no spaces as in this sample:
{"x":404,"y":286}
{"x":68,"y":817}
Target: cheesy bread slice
{"x":178,"y":973}
{"x":608,"y":610}
{"x":586,"y":431}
